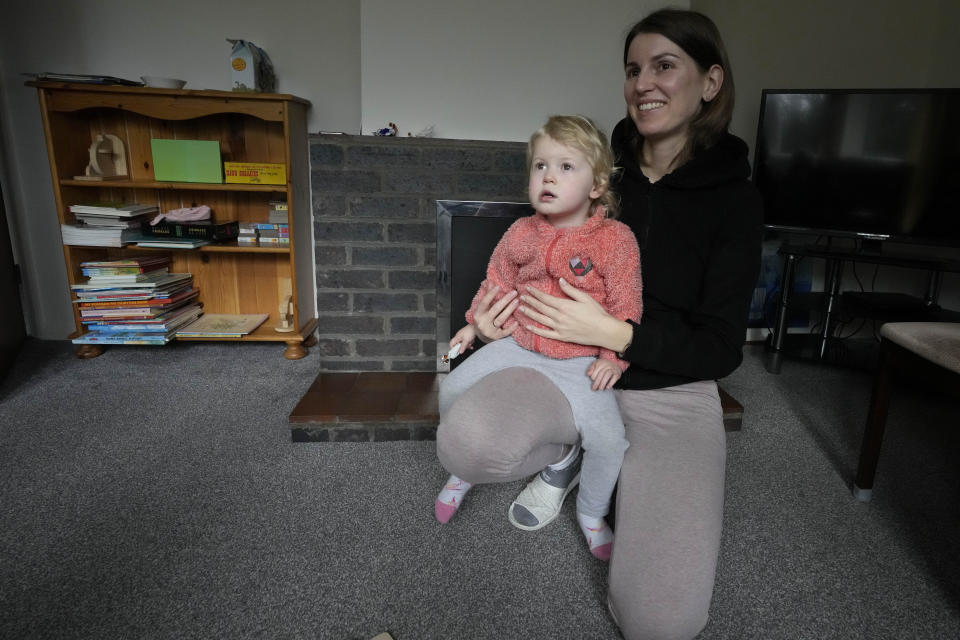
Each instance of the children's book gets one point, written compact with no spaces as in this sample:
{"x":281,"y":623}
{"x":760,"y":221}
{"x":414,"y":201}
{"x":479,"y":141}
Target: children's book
{"x":223,"y":325}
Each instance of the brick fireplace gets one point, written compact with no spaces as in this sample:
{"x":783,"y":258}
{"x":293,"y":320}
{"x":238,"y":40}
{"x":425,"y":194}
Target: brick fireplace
{"x":375,"y":211}
{"x":375,"y":226}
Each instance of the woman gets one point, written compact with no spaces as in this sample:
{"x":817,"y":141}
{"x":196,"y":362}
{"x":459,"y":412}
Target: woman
{"x":685,"y":193}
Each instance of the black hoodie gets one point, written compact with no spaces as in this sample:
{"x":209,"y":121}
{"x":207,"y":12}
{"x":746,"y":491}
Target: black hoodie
{"x":699,"y":231}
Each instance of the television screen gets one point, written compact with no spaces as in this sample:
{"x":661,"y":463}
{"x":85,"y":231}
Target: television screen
{"x":877,"y":164}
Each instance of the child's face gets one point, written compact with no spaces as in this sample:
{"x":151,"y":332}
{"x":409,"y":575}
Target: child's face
{"x":561,"y":183}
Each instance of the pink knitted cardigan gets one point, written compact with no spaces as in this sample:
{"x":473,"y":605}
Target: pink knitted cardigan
{"x":599,"y":257}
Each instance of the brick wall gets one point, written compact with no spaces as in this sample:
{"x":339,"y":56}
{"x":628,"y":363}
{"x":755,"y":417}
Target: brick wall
{"x":374,"y":206}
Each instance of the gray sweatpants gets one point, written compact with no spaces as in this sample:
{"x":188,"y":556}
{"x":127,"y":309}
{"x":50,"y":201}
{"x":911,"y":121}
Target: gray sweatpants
{"x":670,"y":499}
{"x":595,"y":413}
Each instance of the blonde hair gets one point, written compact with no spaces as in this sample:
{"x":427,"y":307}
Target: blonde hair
{"x":582,"y":134}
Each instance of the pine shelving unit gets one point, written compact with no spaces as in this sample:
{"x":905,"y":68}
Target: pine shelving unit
{"x":251,"y":127}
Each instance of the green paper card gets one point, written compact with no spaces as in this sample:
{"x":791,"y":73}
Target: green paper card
{"x":186,"y":161}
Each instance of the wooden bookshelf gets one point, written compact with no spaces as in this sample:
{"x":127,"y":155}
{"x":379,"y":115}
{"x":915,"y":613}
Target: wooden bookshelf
{"x":250,"y":128}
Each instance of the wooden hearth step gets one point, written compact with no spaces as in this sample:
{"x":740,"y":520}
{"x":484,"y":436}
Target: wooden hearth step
{"x":384,"y":406}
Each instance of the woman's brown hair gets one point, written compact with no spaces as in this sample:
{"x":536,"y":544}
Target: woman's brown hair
{"x":699,"y":37}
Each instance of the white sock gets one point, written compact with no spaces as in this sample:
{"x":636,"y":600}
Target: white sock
{"x":453,"y":492}
{"x":567,"y":459}
{"x":595,"y":530}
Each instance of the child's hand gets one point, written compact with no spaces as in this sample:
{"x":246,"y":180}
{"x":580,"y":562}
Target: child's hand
{"x":464,"y":338}
{"x":604,"y":374}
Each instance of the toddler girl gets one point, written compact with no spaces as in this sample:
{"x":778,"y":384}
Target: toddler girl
{"x":571,"y":236}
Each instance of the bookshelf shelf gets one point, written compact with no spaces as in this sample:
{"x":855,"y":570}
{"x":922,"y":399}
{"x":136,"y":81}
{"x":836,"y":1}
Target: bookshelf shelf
{"x":250,"y":128}
{"x":222,"y":247}
{"x":174,"y":186}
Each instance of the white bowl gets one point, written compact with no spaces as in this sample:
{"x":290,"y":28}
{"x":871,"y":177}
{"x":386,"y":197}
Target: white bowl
{"x":163,"y":83}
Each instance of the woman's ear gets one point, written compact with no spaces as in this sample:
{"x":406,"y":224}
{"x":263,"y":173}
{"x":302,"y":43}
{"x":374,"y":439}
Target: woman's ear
{"x":713,"y":80}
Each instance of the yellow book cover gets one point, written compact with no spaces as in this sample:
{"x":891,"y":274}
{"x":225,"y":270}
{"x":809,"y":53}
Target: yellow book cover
{"x":254,"y":173}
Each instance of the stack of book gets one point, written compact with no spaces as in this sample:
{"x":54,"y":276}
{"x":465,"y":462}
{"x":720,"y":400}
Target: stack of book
{"x":273,"y":234}
{"x":134,"y":301}
{"x":247,"y":234}
{"x":106,"y":224}
{"x":279,"y":212}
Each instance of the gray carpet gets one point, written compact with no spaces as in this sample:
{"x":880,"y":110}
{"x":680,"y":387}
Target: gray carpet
{"x":154,"y":493}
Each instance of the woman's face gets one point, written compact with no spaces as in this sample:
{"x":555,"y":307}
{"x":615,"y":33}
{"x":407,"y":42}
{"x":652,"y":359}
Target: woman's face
{"x":664,"y":88}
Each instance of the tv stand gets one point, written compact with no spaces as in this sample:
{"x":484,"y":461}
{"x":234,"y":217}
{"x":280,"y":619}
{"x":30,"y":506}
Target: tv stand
{"x":871,"y":246}
{"x":887,"y":307}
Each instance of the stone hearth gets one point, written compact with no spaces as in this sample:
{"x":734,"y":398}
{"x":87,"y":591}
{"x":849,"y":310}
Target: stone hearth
{"x":373,"y":407}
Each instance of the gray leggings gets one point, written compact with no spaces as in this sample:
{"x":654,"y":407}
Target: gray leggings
{"x":670,"y":497}
{"x":595,"y":413}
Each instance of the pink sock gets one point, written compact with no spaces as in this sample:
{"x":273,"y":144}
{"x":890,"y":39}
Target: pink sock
{"x":598,"y":534}
{"x":450,"y":498}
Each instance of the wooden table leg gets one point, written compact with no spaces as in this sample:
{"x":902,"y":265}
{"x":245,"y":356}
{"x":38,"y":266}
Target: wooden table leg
{"x":873,"y":431}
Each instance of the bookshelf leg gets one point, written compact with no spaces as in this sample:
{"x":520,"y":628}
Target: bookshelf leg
{"x":85,"y":351}
{"x":295,"y":350}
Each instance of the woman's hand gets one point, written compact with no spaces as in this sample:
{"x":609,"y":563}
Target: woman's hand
{"x":580,"y":319}
{"x":492,"y":319}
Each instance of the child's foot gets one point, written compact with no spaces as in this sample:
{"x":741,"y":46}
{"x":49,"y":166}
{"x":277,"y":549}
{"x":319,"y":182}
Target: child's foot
{"x":540,"y":501}
{"x":450,"y":498}
{"x":598,"y":534}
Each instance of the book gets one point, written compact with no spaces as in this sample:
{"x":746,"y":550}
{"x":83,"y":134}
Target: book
{"x":99,"y":277}
{"x":145,"y":309}
{"x":99,"y":337}
{"x":224,"y":325}
{"x":101,"y":303}
{"x":166,"y":323}
{"x":193,"y":230}
{"x":153,"y":281}
{"x":92,"y":236}
{"x":113,"y":209}
{"x":279,"y":212}
{"x":126,"y":294}
{"x":84,"y":78}
{"x":116,"y":222}
{"x":142,"y":263}
{"x":254,"y":172}
{"x":171,"y":243}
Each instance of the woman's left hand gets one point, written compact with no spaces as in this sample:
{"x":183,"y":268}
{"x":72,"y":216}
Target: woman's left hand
{"x":580,"y":319}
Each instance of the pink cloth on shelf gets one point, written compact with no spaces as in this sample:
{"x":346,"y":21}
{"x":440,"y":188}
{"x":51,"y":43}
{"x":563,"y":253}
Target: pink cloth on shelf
{"x":188,"y":214}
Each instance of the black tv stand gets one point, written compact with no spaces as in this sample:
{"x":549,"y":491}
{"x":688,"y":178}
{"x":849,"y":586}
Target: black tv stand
{"x":885,"y":307}
{"x":871,"y":246}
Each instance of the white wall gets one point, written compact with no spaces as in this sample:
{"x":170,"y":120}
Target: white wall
{"x":493,"y":70}
{"x":314,"y":46}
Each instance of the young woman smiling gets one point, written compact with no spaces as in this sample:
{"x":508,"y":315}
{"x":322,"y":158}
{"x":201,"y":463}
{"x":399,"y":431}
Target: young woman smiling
{"x":685,"y":194}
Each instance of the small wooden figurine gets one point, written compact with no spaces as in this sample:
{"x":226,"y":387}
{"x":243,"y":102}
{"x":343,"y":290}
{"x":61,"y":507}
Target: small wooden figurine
{"x":108,"y":159}
{"x":286,"y":316}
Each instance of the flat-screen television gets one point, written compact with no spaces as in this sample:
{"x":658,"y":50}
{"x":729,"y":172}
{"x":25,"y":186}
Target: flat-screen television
{"x":867,"y":163}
